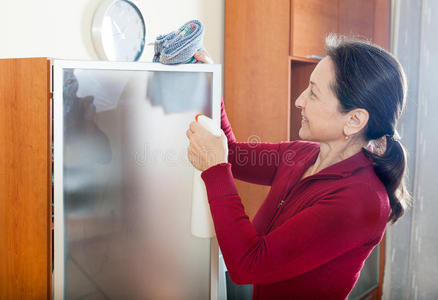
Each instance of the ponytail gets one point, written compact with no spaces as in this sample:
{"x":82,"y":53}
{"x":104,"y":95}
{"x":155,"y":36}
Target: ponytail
{"x":390,"y":167}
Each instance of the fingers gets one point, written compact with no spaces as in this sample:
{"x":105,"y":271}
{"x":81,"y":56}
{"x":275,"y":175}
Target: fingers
{"x":203,"y":56}
{"x":194,"y":142}
{"x":192,"y":129}
{"x":199,"y":56}
{"x":193,"y":155}
{"x":195,"y":135}
{"x":196,"y":147}
{"x":190,"y":156}
{"x":193,"y":126}
{"x":189,"y":133}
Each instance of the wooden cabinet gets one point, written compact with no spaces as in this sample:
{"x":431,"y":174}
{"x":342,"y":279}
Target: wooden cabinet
{"x":307,"y":30}
{"x":268,"y":49}
{"x":365,"y":19}
{"x":256,"y":76}
{"x":356,"y":18}
{"x":25,"y":179}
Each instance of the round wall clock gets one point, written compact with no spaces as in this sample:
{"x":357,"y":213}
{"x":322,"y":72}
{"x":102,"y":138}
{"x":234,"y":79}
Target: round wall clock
{"x":118,"y":31}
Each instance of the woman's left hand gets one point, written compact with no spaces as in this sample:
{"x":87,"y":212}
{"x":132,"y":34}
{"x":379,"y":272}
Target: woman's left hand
{"x":205,"y":149}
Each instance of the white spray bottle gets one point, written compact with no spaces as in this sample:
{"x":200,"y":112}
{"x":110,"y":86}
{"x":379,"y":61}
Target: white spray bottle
{"x":202,"y":223}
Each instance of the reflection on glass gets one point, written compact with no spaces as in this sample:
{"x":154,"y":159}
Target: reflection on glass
{"x":127,"y":185}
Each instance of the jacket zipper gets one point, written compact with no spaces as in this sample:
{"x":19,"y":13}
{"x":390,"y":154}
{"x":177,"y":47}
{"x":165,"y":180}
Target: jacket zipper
{"x":280,"y":204}
{"x":275,"y":215}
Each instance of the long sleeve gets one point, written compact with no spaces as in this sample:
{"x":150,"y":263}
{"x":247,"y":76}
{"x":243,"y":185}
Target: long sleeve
{"x":225,"y":124}
{"x":252,"y":162}
{"x":332,"y":226}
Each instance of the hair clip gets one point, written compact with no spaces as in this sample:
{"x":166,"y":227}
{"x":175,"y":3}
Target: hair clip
{"x":393,"y":137}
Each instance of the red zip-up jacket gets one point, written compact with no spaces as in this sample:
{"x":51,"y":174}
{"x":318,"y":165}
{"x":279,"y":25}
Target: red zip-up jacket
{"x":310,"y":237}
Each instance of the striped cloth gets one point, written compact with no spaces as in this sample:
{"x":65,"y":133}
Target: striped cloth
{"x":178,"y":47}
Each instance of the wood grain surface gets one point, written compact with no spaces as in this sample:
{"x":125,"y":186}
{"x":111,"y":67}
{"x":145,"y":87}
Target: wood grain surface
{"x":256,"y":78}
{"x":25,"y":179}
{"x":311,"y":21}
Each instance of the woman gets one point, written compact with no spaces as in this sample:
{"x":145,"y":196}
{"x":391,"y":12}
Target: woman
{"x":331,"y":195}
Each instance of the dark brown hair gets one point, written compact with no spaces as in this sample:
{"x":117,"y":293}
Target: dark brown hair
{"x":371,"y":78}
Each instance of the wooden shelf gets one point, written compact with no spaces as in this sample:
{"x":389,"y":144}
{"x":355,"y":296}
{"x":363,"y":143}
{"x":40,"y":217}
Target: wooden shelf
{"x":304,"y":59}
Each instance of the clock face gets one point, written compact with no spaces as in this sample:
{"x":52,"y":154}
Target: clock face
{"x":122,"y":31}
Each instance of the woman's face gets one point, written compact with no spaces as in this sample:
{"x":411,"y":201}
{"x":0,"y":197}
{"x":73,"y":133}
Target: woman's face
{"x":321,"y":119}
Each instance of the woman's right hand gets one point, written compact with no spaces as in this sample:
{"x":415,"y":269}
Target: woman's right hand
{"x":203,"y":56}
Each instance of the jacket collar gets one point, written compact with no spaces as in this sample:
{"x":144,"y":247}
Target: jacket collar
{"x":344,"y":167}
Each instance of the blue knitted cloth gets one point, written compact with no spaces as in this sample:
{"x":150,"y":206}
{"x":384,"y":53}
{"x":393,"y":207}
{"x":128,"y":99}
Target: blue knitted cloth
{"x":178,"y":47}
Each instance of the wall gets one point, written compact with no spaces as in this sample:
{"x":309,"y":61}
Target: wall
{"x":61,"y":28}
{"x":412,"y":257}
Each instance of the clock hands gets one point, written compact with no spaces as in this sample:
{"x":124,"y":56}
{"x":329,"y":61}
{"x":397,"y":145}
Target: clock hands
{"x":118,"y":29}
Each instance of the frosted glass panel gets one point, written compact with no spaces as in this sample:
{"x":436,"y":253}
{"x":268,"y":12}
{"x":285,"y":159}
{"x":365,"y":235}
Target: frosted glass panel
{"x":127,"y":185}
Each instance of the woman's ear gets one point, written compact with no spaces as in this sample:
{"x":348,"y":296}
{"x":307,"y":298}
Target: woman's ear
{"x":357,"y":119}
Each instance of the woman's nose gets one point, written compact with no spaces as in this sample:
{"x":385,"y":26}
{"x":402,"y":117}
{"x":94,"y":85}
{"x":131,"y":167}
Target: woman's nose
{"x":299,"y":103}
